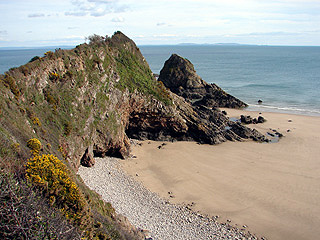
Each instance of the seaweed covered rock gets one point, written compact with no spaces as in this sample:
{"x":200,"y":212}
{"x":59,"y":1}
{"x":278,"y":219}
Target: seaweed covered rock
{"x":178,"y":74}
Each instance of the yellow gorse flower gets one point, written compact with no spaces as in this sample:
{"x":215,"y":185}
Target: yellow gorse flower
{"x":35,"y":145}
{"x":50,"y":174}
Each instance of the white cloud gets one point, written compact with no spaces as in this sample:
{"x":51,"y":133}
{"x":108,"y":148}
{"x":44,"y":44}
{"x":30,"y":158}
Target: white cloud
{"x":102,"y":1}
{"x":96,"y":8}
{"x":161,"y":24}
{"x":166,"y":21}
{"x":269,"y":34}
{"x":76,"y":14}
{"x":36,"y":15}
{"x":165,"y":35}
{"x":117,"y":19}
{"x":98,"y":12}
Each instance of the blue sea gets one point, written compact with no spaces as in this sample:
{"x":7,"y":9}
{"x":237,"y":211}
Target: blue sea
{"x":286,"y":79}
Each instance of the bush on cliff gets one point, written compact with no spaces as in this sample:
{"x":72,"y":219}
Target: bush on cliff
{"x":62,"y":99}
{"x":50,"y":175}
{"x":25,"y":214}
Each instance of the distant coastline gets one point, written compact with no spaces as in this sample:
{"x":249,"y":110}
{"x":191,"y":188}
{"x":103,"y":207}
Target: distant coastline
{"x":286,"y":78}
{"x":290,"y":90}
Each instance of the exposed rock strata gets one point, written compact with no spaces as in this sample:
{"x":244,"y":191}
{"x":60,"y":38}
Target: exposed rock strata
{"x":90,"y":100}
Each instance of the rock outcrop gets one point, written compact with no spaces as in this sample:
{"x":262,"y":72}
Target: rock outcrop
{"x":87,"y":102}
{"x":179,"y":76}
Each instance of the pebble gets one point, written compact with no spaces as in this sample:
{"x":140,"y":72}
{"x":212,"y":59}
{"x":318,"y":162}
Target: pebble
{"x":147,"y":210}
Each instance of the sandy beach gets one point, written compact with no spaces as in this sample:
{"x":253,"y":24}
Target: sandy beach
{"x":272,"y":189}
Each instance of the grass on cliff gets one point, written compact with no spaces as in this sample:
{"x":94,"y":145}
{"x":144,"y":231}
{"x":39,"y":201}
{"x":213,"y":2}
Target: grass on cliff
{"x":137,"y":76}
{"x":56,"y":115}
{"x":25,"y":214}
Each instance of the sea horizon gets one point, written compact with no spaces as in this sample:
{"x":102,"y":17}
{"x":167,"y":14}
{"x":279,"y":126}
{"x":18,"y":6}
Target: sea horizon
{"x":234,"y":68}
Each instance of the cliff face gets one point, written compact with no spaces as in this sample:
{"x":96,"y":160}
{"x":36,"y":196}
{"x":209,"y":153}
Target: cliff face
{"x":90,"y":100}
{"x":179,"y":76}
{"x":77,"y":102}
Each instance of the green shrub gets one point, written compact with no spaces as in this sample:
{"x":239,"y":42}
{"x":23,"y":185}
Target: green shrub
{"x":53,"y":76}
{"x":24,"y":69}
{"x":67,"y":128}
{"x":35,"y":145}
{"x":10,"y":82}
{"x":15,"y":147}
{"x":49,"y":174}
{"x":34,"y":58}
{"x":49,"y":54}
{"x":26,"y":215}
{"x":51,"y":98}
{"x":35,"y":120}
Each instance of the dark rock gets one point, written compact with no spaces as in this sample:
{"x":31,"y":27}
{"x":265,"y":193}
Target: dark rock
{"x":224,"y":112}
{"x":249,"y":119}
{"x":107,"y":111}
{"x":271,"y":134}
{"x":185,"y":122}
{"x":246,"y":119}
{"x":87,"y":159}
{"x":261,"y":119}
{"x":247,"y":133}
{"x":179,"y":76}
{"x":259,"y":101}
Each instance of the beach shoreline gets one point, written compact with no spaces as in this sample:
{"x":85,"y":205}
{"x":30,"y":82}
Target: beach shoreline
{"x":282,"y":110}
{"x":272,"y":189}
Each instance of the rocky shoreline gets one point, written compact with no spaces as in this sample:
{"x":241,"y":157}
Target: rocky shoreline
{"x":146,"y":210}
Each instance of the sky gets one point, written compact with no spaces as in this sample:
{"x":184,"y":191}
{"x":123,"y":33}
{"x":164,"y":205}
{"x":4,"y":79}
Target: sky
{"x":36,"y":23}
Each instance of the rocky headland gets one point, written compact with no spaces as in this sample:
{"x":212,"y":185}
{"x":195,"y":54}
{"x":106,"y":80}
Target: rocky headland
{"x":89,"y":101}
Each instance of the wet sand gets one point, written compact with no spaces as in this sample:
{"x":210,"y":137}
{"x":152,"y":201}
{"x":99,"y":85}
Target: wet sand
{"x":272,"y":189}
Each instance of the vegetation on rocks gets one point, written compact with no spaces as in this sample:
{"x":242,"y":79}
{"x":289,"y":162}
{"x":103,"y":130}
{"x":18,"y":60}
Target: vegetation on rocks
{"x":25,"y":214}
{"x":54,"y":106}
{"x":50,"y":175}
{"x":35,"y":146}
{"x":70,"y":106}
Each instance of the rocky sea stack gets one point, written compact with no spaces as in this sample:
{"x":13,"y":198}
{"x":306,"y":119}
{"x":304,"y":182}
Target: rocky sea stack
{"x":179,"y":76}
{"x":89,"y":101}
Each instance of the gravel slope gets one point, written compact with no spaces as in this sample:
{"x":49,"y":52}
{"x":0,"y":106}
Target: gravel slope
{"x":146,"y":210}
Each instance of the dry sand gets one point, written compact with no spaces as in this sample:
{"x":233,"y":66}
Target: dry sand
{"x":273,"y":189}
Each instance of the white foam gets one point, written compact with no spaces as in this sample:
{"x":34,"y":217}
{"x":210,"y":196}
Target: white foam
{"x":292,"y":110}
